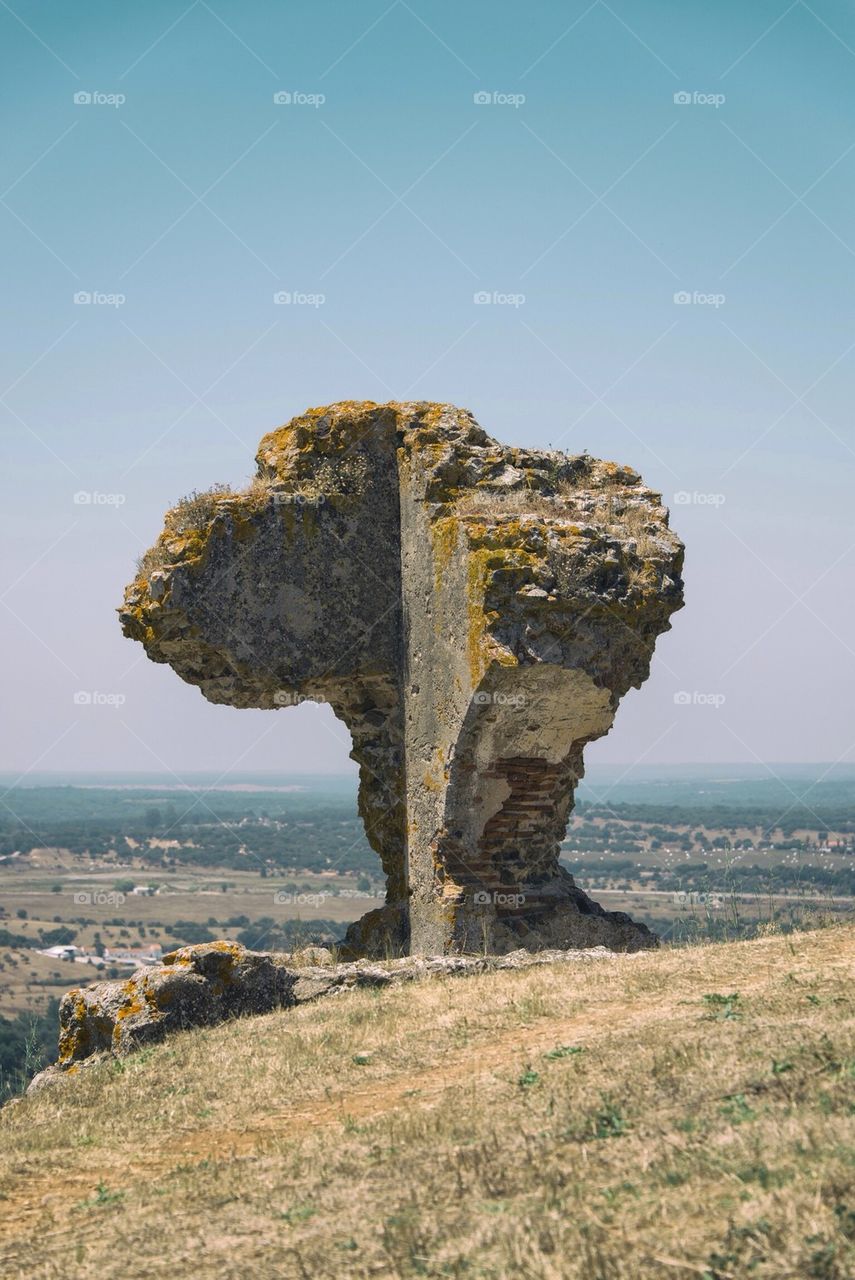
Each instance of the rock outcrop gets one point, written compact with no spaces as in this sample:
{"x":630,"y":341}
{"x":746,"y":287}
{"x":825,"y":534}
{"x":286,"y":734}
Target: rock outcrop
{"x":204,"y":985}
{"x":473,"y":612}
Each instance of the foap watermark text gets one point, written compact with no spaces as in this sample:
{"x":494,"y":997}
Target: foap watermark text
{"x":93,"y":298}
{"x":298,"y":499}
{"x":496,"y":698}
{"x":93,"y":698}
{"x":296,"y":98}
{"x":284,"y":898}
{"x":496,"y":98}
{"x":294,"y":298}
{"x":487,"y":298}
{"x":95,"y":98}
{"x":683,"y":298}
{"x":686,"y":498}
{"x":698,"y":698}
{"x":695,"y":98}
{"x":497,"y":898}
{"x":94,"y":498}
{"x":714,"y":901}
{"x":287,"y":698}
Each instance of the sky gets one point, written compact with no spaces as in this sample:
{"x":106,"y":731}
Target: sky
{"x":654,"y":200}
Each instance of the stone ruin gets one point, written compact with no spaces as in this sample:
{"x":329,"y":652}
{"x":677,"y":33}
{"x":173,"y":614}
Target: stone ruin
{"x":214,"y":982}
{"x":473,"y":612}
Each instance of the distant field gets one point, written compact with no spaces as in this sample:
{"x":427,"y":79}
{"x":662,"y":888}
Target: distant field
{"x":27,"y":979}
{"x":705,"y":853}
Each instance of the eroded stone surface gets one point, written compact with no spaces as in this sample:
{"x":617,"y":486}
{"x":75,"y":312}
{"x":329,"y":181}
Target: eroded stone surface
{"x":473,"y":612}
{"x":214,"y":982}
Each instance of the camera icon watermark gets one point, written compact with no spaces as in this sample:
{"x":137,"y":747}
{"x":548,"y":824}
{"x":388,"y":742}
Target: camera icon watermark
{"x":93,"y":298}
{"x":695,"y":98}
{"x":487,"y":298}
{"x":95,"y":98}
{"x":294,"y":298}
{"x":93,"y":698}
{"x":296,"y":98}
{"x":697,"y":698}
{"x":495,"y":98}
{"x":683,"y":298}
{"x":94,"y":498}
{"x":685,"y":498}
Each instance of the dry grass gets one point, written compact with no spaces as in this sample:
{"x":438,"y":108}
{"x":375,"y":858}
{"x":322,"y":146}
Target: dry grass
{"x":500,"y":502}
{"x":195,"y":511}
{"x":610,"y":514}
{"x":193,"y":514}
{"x":687,"y":1113}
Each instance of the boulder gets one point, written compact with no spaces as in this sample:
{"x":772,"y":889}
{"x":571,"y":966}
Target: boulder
{"x":216,"y":981}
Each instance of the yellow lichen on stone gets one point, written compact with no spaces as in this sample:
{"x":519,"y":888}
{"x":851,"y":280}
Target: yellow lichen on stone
{"x":74,"y":1038}
{"x":445,"y":533}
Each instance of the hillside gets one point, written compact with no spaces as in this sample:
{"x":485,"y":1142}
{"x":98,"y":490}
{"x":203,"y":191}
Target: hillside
{"x":682,"y":1113}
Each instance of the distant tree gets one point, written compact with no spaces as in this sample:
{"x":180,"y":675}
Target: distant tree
{"x":284,"y":935}
{"x":190,"y":933}
{"x":61,"y":937}
{"x":8,"y":939}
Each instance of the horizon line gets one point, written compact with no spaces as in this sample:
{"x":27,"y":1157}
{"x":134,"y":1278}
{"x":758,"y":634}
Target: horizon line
{"x":346,"y":773}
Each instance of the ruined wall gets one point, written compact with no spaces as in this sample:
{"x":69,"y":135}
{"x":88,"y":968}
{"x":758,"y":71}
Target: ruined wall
{"x":473,"y":613}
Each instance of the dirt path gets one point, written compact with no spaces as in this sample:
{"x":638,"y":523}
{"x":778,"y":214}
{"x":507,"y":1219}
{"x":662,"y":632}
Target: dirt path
{"x":471,"y":1065}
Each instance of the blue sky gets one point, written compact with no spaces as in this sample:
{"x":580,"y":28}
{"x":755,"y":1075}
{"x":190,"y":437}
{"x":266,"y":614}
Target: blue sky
{"x":187,"y":195}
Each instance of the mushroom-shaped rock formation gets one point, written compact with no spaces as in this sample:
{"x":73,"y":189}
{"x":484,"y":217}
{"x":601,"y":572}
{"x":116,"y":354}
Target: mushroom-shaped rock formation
{"x":473,"y":612}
